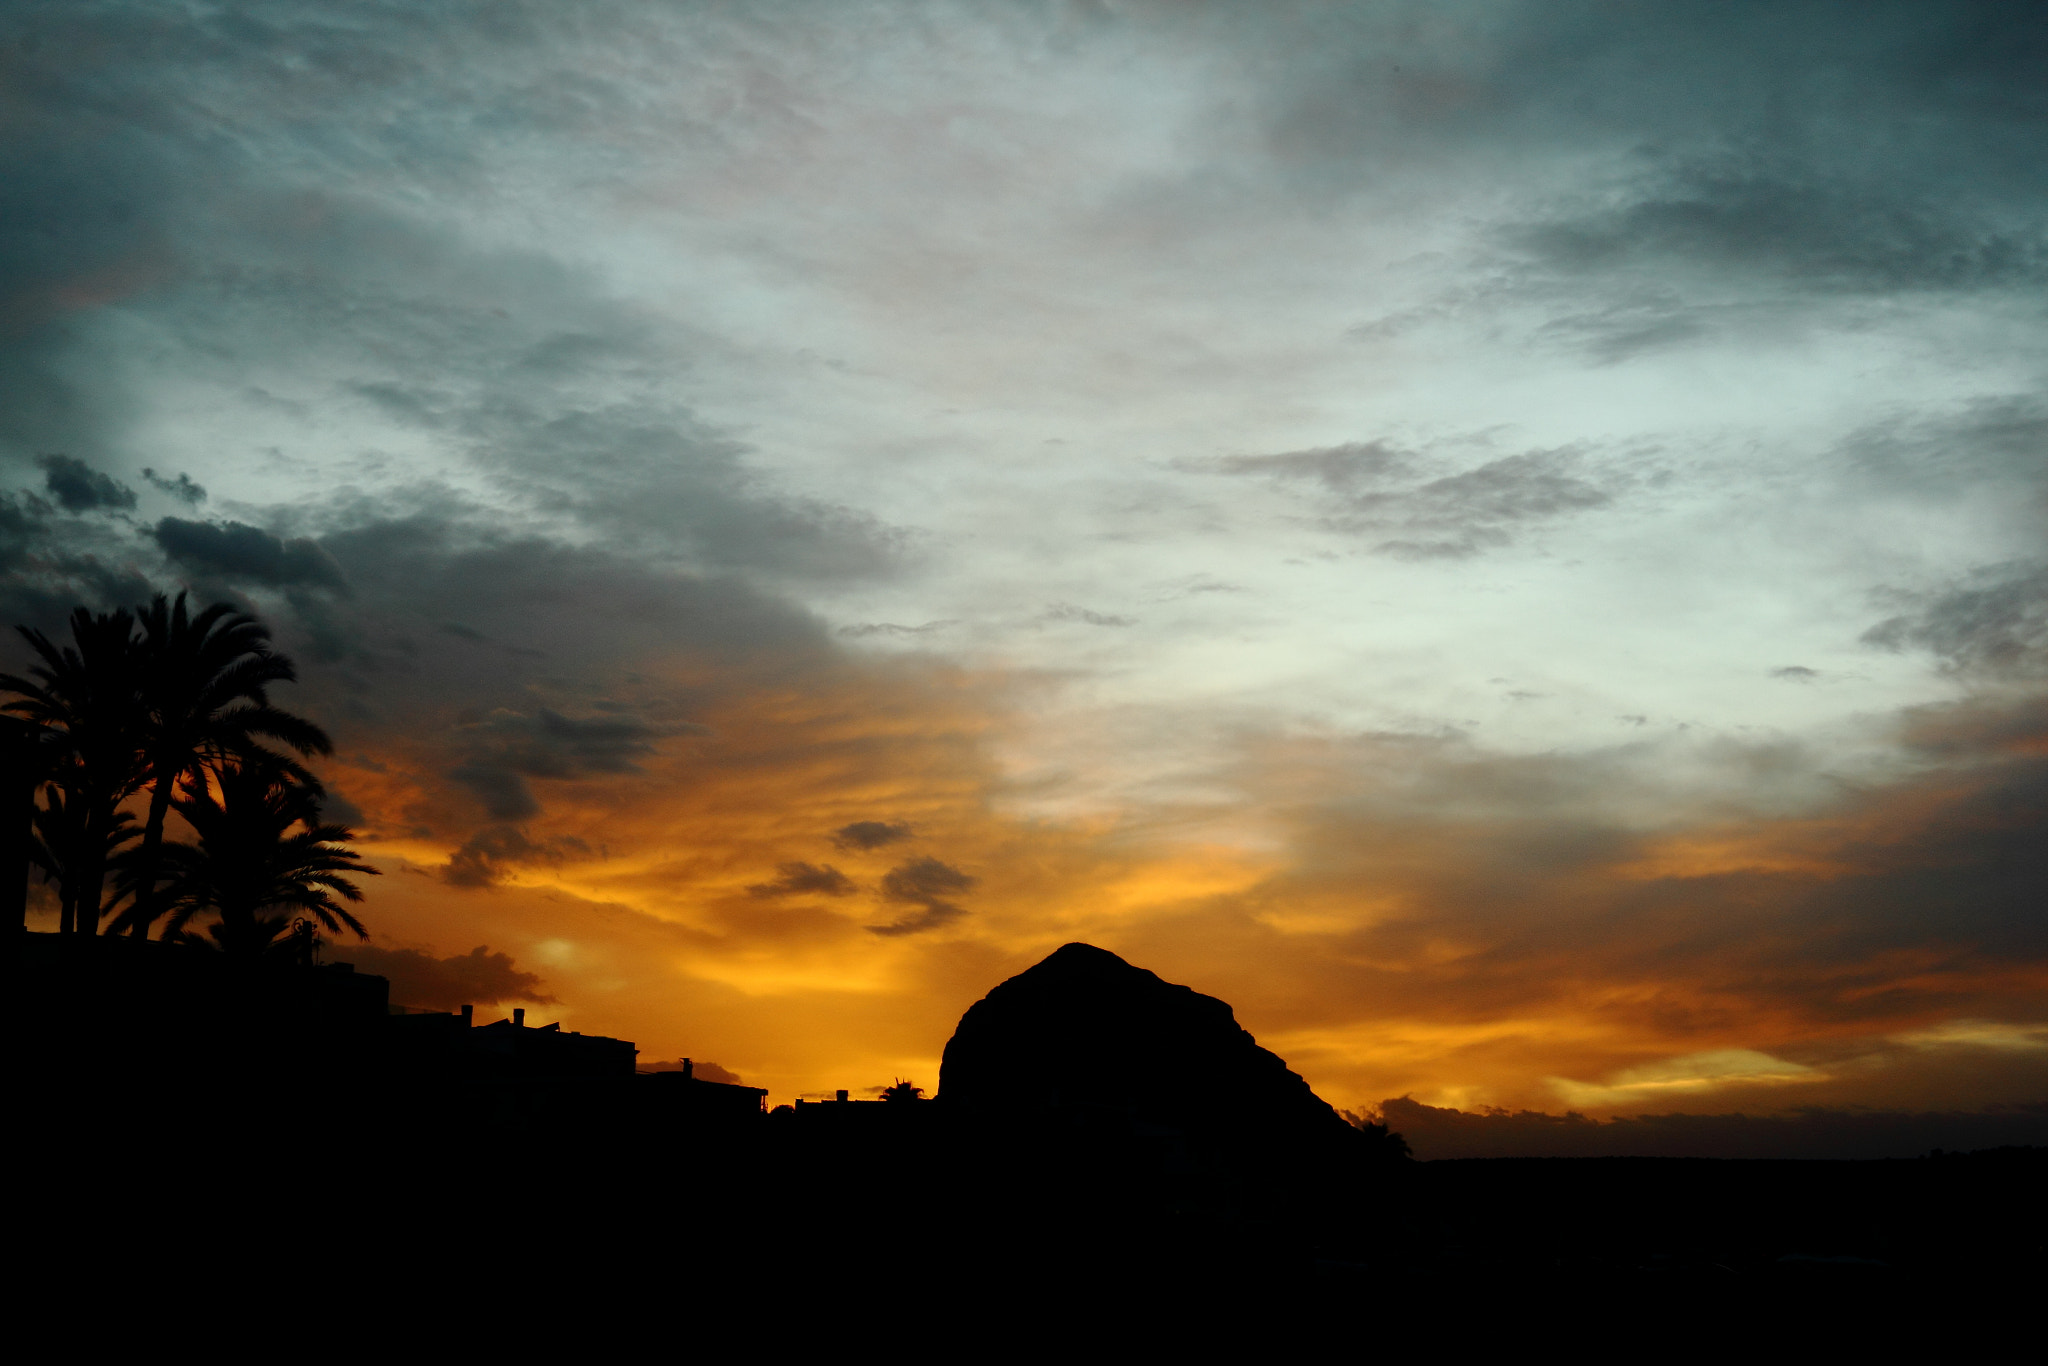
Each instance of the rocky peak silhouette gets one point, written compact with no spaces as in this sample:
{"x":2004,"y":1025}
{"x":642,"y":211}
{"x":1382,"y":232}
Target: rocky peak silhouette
{"x":1086,"y":1032}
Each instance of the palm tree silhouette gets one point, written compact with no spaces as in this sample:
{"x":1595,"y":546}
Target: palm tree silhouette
{"x":204,"y":705}
{"x":249,"y":867}
{"x":85,"y":699}
{"x":57,"y":846}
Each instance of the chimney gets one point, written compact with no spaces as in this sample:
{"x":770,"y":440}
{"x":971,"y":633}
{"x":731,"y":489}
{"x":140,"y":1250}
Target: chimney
{"x":519,"y":1016}
{"x":689,"y":1069}
{"x":840,"y":1096}
{"x":468,"y":1015}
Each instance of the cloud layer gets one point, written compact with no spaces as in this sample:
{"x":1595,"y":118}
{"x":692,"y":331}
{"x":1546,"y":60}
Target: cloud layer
{"x":1502,"y":539}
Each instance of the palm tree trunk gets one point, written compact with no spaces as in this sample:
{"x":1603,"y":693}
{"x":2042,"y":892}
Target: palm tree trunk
{"x":145,"y":911}
{"x":92,"y":867}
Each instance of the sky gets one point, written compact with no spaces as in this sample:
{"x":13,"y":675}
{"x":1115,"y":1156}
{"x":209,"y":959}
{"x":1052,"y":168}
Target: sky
{"x":1504,"y":540}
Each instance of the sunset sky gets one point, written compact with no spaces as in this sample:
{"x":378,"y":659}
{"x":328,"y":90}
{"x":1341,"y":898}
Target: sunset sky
{"x":1504,"y":540}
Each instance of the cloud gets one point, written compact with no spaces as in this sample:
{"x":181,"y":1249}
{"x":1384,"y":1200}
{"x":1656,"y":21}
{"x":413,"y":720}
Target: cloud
{"x":1940,"y":454}
{"x":1342,"y":469}
{"x":1995,"y":624}
{"x":864,"y":835}
{"x":78,"y":487}
{"x":242,"y":553}
{"x":701,"y":1070}
{"x":1066,"y":611}
{"x":503,"y":791}
{"x":489,"y":854}
{"x":926,"y":883}
{"x":479,"y":977}
{"x":890,"y":628}
{"x":800,"y":879}
{"x":548,"y":744}
{"x":1438,"y":1133}
{"x":181,"y":488}
{"x":1796,"y":673}
{"x":1795,"y":222}
{"x":1371,"y":490}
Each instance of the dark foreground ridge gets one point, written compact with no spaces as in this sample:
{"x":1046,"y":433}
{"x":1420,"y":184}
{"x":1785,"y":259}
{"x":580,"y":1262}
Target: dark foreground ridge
{"x":1103,"y":1143}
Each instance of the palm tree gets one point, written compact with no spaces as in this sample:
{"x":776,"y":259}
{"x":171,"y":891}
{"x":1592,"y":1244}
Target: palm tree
{"x":57,"y":846}
{"x":85,"y":699}
{"x":250,"y":868}
{"x":205,"y":706}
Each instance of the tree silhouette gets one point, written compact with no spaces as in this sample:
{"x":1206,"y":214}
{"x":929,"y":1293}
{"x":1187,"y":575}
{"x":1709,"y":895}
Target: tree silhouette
{"x":85,"y":699}
{"x":262,"y":859}
{"x":902,"y":1090}
{"x":57,"y":846}
{"x":204,"y":705}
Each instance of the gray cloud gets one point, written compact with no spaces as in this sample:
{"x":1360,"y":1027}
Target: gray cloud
{"x":925,"y":883}
{"x":703,"y":1071}
{"x":503,"y":791}
{"x":1819,"y":1132}
{"x":228,"y":181}
{"x":890,"y":628}
{"x":1369,"y":489}
{"x":1997,"y":440}
{"x":865,"y":835}
{"x":800,"y":879}
{"x":240,"y":553}
{"x":548,"y":744}
{"x":1344,"y":470}
{"x":507,"y":747}
{"x":50,"y":563}
{"x":487,"y":854}
{"x":78,"y":487}
{"x":1996,"y":624}
{"x":182,"y":488}
{"x":1067,"y":611}
{"x":1749,"y":215}
{"x":479,"y":977}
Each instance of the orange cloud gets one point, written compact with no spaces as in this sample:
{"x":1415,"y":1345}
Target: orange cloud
{"x":1405,"y":934}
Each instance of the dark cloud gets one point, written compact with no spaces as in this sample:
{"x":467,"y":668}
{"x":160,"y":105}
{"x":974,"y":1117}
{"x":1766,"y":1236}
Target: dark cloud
{"x":489,"y":853}
{"x":871,"y":834}
{"x":240,"y":553}
{"x":801,"y":879}
{"x":1796,"y":673}
{"x":1791,"y":222}
{"x":1370,"y":490}
{"x":503,"y":791}
{"x":1940,"y":456}
{"x":1342,"y":469}
{"x":1634,"y":325}
{"x":703,"y":1071}
{"x":181,"y":488}
{"x":1813,"y":1133}
{"x":479,"y":977}
{"x":1997,"y":624}
{"x":662,"y":475}
{"x":78,"y":487}
{"x":177,"y":155}
{"x":890,"y":628}
{"x":925,"y":883}
{"x":51,"y":563}
{"x":1670,"y":172}
{"x":507,"y":747}
{"x":548,"y":744}
{"x":1066,"y":611}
